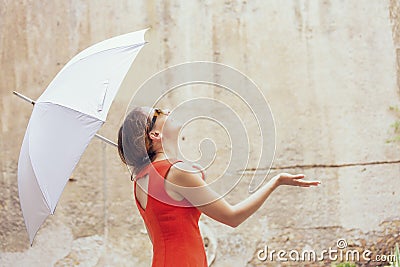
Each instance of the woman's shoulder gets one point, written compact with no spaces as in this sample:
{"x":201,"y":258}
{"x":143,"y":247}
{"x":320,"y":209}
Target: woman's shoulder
{"x":187,"y":167}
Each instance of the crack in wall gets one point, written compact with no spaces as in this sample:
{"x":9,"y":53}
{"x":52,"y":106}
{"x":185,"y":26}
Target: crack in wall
{"x":309,"y":166}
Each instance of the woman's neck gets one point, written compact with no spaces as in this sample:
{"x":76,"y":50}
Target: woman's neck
{"x":167,"y":150}
{"x":165,"y":153}
{"x":160,"y":155}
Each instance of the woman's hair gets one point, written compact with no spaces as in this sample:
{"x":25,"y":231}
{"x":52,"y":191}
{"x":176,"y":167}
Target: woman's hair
{"x":135,"y":148}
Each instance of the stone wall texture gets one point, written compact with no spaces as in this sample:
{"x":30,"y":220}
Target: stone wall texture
{"x":330,"y":70}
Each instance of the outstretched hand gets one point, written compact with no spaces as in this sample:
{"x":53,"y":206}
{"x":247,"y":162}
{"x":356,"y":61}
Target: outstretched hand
{"x":294,"y":180}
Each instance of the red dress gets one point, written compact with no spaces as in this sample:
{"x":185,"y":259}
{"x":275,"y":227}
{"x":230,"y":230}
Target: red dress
{"x":171,"y":224}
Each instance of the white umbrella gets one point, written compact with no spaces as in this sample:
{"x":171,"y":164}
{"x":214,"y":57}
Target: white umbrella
{"x":65,"y":118}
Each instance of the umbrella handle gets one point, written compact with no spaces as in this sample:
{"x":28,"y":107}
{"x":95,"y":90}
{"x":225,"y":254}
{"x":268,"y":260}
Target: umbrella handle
{"x":27,"y":99}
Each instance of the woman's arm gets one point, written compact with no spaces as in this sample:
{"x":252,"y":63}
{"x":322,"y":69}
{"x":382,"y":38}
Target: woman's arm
{"x":194,"y":189}
{"x":247,"y":207}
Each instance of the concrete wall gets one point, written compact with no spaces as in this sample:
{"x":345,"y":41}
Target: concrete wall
{"x":329,"y":69}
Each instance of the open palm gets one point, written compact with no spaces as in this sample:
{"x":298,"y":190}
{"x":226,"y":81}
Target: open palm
{"x":295,"y":180}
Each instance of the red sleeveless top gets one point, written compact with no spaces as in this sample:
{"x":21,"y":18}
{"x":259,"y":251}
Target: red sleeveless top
{"x":171,"y":224}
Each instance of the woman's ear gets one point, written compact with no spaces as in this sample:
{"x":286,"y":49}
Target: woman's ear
{"x":155,"y":135}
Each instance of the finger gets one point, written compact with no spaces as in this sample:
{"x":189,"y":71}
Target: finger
{"x":314,"y":183}
{"x":298,"y":176}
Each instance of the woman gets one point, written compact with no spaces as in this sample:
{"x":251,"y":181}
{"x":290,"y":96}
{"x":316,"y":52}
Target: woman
{"x":176,"y":200}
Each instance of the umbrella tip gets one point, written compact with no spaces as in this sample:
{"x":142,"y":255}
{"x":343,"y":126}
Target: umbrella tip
{"x":145,"y":31}
{"x":31,"y":238}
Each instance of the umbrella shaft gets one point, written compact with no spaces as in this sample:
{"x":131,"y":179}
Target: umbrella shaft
{"x":24,"y":97}
{"x":27,"y":99}
{"x":108,"y":141}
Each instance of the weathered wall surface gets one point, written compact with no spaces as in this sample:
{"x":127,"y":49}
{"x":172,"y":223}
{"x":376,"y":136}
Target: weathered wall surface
{"x":329,"y":69}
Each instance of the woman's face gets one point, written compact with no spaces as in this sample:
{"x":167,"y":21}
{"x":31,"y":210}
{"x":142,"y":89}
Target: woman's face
{"x":164,"y":124}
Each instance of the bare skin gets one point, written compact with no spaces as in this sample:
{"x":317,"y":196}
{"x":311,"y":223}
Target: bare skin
{"x":185,"y":181}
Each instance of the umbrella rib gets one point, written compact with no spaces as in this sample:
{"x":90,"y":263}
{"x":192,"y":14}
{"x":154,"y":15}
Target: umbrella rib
{"x":27,"y":99}
{"x":76,"y":60}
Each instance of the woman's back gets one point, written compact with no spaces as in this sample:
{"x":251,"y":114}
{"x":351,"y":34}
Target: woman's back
{"x":172,"y":225}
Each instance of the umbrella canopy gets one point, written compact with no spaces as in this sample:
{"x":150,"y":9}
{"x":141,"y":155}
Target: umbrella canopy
{"x":64,"y":120}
